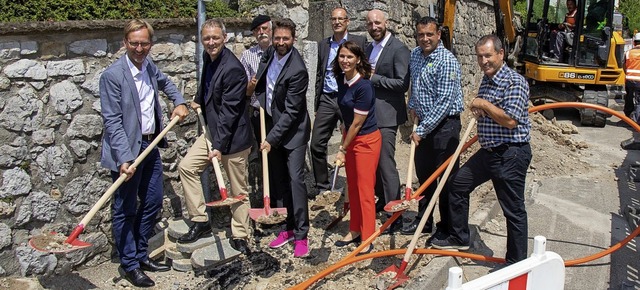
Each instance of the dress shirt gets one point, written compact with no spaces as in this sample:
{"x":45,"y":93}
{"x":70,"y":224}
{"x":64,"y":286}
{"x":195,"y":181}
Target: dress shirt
{"x":250,"y":59}
{"x":330,"y":84}
{"x":436,"y":92}
{"x":272,"y":76}
{"x":146,"y":96}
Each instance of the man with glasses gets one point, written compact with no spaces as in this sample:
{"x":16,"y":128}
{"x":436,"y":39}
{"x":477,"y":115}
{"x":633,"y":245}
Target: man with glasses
{"x":327,"y":113}
{"x":130,"y":107}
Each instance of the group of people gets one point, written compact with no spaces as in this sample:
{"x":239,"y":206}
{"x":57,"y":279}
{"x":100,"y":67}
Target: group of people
{"x":360,"y":85}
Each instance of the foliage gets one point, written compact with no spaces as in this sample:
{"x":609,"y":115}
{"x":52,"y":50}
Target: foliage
{"x":631,"y":9}
{"x":61,"y":10}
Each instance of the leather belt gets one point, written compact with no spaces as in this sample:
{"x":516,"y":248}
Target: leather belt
{"x":456,"y":116}
{"x":148,"y":137}
{"x":331,"y":95}
{"x":504,"y":146}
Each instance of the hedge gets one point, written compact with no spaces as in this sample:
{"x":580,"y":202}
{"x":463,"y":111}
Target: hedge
{"x":61,"y":10}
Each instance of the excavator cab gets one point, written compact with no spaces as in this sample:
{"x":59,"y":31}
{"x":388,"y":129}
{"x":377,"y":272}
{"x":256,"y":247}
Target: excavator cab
{"x":585,"y":64}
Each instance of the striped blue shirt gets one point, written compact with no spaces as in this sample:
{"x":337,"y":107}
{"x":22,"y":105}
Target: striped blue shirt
{"x":509,"y":91}
{"x":435,"y":87}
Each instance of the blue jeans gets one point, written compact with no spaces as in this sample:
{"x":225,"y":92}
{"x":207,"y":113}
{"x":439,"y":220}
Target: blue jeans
{"x":506,"y":166}
{"x":135,"y":207}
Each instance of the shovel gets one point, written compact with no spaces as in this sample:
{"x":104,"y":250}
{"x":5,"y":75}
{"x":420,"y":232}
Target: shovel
{"x":400,"y":277}
{"x":402,"y":204}
{"x":224,"y":198}
{"x":266,"y":215}
{"x":57,"y":243}
{"x":333,"y":195}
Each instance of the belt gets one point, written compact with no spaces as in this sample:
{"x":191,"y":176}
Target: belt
{"x":456,"y":116}
{"x":331,"y":95}
{"x":148,"y":137}
{"x":504,"y":146}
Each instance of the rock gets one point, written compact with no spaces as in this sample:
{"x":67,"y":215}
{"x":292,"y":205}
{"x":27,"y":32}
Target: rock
{"x":72,"y":67}
{"x":5,"y":83}
{"x":83,"y":192}
{"x":43,"y":137}
{"x":28,"y":47}
{"x":189,"y":50}
{"x":213,"y":254}
{"x":177,"y":227}
{"x":179,"y":68}
{"x":13,"y":154}
{"x":166,"y":51}
{"x":9,"y":50}
{"x":92,"y":84}
{"x":6,"y":209}
{"x":65,"y":97}
{"x":85,"y":126}
{"x":26,"y":68}
{"x":35,"y":262}
{"x":173,"y":254}
{"x":96,"y":106}
{"x":183,"y":265}
{"x":99,"y":243}
{"x":54,"y":162}
{"x":80,"y":148}
{"x":15,"y":182}
{"x":91,"y":47}
{"x":20,"y":111}
{"x":5,"y":235}
{"x":37,"y":206}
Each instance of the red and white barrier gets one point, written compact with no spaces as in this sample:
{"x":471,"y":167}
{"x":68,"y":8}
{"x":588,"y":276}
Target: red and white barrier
{"x":542,"y":271}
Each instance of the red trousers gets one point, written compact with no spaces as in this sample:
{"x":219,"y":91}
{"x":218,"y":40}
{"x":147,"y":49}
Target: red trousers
{"x":361,"y":162}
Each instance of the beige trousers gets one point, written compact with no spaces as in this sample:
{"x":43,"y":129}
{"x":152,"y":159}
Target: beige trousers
{"x":190,"y":169}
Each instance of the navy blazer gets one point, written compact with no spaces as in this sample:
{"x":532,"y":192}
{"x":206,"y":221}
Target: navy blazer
{"x":121,"y":113}
{"x":323,"y":54}
{"x":291,"y":125}
{"x":391,"y":82}
{"x":225,"y":106}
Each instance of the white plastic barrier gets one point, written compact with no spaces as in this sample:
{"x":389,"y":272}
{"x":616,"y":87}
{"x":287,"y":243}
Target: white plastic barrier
{"x":542,"y":271}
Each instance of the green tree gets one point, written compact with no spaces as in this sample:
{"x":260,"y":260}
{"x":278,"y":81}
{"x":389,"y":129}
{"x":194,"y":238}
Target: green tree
{"x":631,"y":9}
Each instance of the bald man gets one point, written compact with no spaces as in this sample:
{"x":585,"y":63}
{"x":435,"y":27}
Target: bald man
{"x":390,"y":60}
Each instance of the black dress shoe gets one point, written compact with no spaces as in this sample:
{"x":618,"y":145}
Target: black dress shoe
{"x":195,"y":232}
{"x":152,"y":266}
{"x":241,"y":246}
{"x":394,"y":227}
{"x":139,"y":278}
{"x":367,"y":251}
{"x":356,"y":240}
{"x":411,"y":228}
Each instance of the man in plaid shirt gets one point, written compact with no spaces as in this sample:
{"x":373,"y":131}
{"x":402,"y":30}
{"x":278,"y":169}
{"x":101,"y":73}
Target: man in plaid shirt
{"x":436,"y":101}
{"x":503,"y":132}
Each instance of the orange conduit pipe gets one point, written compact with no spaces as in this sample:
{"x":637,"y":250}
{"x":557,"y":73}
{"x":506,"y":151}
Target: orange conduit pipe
{"x":352,"y":258}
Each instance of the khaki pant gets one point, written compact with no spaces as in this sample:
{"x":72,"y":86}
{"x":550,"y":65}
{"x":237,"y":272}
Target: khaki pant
{"x":190,"y":169}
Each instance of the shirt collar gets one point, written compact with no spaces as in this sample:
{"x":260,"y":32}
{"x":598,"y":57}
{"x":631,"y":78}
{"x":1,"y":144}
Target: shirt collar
{"x":500,"y":75}
{"x":353,"y":80}
{"x":134,"y":70}
{"x":384,"y":40}
{"x":345,"y":38}
{"x":435,"y":52}
{"x":284,"y":59}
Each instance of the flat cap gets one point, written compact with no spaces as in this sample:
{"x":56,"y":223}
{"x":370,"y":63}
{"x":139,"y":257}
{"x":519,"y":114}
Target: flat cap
{"x":259,"y":20}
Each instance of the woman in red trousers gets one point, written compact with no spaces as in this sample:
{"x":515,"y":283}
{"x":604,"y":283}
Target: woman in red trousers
{"x":360,"y":149}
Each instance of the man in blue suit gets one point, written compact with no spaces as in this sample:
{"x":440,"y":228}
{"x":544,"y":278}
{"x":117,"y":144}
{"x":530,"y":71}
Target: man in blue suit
{"x":130,"y":103}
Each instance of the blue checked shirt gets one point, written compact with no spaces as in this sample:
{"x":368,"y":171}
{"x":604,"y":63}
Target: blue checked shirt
{"x":509,"y":91}
{"x":435,"y":87}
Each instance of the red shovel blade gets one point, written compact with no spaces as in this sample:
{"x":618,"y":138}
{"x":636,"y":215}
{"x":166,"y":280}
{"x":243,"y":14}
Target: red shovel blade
{"x":398,"y":279}
{"x":400,"y":205}
{"x":226,"y":201}
{"x":56,"y":243}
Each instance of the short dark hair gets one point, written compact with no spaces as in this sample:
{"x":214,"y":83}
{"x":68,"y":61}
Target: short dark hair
{"x":428,"y":20}
{"x":286,"y":23}
{"x":364,"y":67}
{"x":497,"y":44}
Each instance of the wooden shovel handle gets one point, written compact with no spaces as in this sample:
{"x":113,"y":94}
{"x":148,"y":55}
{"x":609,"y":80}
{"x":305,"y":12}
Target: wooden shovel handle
{"x":412,"y":154}
{"x":214,"y":161}
{"x":265,"y":159}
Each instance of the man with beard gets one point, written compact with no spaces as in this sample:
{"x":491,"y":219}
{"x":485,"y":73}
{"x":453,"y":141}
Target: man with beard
{"x":222,"y":96}
{"x":327,"y":112}
{"x":436,"y":100}
{"x":504,"y":156}
{"x":389,"y":59}
{"x":281,"y":89}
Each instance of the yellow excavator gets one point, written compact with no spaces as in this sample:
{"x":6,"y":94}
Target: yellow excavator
{"x":591,"y":70}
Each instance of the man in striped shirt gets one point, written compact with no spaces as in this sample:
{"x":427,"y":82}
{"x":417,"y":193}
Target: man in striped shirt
{"x":503,"y":133}
{"x":436,"y":102}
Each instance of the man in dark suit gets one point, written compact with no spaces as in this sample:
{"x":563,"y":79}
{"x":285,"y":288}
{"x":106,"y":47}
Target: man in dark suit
{"x":130,"y":106}
{"x":222,"y":95}
{"x":327,"y":113}
{"x":281,"y":89}
{"x":390,"y":60}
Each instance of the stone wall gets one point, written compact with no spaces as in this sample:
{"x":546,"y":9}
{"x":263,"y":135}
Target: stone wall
{"x":50,"y":127}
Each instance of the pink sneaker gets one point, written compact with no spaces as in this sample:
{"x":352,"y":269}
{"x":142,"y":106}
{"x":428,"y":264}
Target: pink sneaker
{"x":283,"y":238}
{"x":301,"y":248}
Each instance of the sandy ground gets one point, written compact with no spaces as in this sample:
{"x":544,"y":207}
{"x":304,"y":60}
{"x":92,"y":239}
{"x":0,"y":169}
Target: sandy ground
{"x":555,"y":152}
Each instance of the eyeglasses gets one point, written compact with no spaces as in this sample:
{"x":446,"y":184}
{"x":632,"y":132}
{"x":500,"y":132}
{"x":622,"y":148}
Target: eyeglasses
{"x":338,"y":19}
{"x":142,"y":44}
